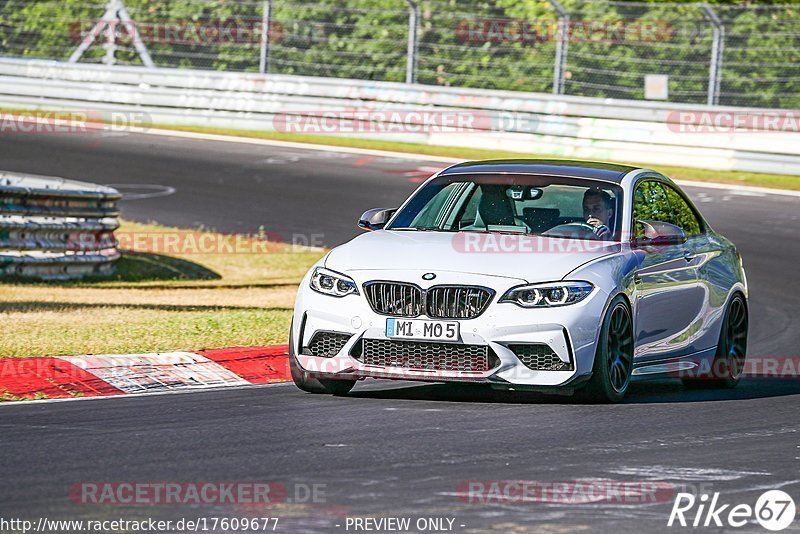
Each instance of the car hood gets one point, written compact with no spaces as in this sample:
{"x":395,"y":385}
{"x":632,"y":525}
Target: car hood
{"x":527,"y":258}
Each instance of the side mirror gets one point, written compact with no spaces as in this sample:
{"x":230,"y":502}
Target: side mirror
{"x":376,"y":218}
{"x":658,"y":233}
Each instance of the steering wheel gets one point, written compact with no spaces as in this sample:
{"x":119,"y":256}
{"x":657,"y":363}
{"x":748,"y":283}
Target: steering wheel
{"x":573,"y":229}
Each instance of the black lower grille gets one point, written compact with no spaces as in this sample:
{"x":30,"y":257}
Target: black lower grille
{"x":539,"y":357}
{"x":327,"y":344}
{"x":426,"y":356}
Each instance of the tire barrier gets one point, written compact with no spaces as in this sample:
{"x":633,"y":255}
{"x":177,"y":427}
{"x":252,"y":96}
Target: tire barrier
{"x":56,"y":229}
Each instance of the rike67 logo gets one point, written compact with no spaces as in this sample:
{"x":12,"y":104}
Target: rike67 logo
{"x":774,"y":510}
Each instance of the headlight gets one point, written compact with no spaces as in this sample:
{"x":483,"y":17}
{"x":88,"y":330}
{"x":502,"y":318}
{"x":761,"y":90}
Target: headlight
{"x":548,"y":295}
{"x":332,"y":283}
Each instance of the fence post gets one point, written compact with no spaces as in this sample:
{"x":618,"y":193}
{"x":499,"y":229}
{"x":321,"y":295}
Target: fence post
{"x":110,"y":45}
{"x":411,"y":54}
{"x":717,"y":48}
{"x":115,"y":13}
{"x":263,"y":63}
{"x":562,"y":40}
{"x":133,"y":32}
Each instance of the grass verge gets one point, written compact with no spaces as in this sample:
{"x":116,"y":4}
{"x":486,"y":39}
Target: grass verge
{"x":158,"y":302}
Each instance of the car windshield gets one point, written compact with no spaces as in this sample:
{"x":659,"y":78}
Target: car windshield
{"x":527,"y":204}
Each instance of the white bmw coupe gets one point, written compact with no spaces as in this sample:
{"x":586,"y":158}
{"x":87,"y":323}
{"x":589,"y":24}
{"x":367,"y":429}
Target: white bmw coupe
{"x":555,"y":276}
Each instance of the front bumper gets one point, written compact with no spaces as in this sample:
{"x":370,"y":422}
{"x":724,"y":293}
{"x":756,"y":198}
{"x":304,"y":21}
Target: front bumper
{"x":570,"y":331}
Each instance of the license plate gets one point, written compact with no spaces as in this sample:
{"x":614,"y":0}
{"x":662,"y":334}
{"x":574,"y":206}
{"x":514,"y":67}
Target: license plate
{"x":418,"y":329}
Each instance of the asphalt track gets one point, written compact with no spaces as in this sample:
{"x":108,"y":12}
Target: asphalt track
{"x":398,"y":449}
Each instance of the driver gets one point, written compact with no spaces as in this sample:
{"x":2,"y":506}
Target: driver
{"x":598,"y":210}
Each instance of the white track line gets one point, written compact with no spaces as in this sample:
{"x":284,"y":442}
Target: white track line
{"x":758,"y":191}
{"x":402,"y":155}
{"x":419,"y":157}
{"x":302,"y":146}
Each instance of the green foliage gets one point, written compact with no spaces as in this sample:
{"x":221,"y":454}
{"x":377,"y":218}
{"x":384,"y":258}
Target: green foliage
{"x":497,"y":44}
{"x":681,"y":214}
{"x":654,"y":202}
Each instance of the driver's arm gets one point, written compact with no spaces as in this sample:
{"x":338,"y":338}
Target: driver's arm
{"x":600,"y":230}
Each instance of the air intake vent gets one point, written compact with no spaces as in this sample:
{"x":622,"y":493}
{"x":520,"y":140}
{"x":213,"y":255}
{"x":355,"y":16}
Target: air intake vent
{"x":327,"y":344}
{"x":540,"y":357}
{"x":427,"y":356}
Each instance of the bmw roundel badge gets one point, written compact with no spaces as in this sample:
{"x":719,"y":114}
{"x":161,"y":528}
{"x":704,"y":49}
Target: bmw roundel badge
{"x":428,"y":276}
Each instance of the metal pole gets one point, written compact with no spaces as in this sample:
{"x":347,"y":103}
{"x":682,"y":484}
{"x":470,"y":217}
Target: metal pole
{"x":411,"y":53}
{"x":562,"y":40}
{"x":138,"y":44}
{"x":85,"y":43}
{"x":115,"y":13}
{"x":263,"y":63}
{"x":110,"y":45}
{"x":717,"y":49}
{"x":97,"y":29}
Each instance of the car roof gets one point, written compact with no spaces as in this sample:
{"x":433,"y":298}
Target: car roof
{"x":610,"y":172}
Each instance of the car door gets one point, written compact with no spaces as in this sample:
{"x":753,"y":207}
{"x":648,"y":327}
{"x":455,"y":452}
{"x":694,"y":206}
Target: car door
{"x":668,"y":297}
{"x":705,"y":255}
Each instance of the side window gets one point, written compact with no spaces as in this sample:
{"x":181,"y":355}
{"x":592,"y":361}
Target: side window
{"x":681,"y":214}
{"x":649,"y":204}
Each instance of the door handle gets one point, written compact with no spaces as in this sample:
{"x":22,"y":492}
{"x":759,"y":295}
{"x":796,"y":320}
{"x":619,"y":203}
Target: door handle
{"x":637,"y":279}
{"x":688,"y":255}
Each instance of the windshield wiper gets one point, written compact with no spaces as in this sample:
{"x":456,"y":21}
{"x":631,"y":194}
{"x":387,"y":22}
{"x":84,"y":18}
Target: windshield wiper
{"x":508,"y":232}
{"x":423,"y":229}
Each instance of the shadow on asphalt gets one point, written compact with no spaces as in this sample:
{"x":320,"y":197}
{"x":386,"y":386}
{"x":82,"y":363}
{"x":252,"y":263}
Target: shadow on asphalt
{"x":644,"y":392}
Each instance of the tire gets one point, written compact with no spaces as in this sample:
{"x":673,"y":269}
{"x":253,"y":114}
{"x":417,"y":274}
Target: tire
{"x":726,"y":369}
{"x":613,"y":359}
{"x":303,"y":380}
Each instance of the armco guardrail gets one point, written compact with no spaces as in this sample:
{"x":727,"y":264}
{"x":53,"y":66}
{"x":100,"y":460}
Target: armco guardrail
{"x":529,"y":123}
{"x":56,"y":229}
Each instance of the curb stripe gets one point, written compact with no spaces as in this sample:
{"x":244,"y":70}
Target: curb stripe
{"x":137,"y":373}
{"x":257,"y":365}
{"x":118,"y":374}
{"x":52,"y":377}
